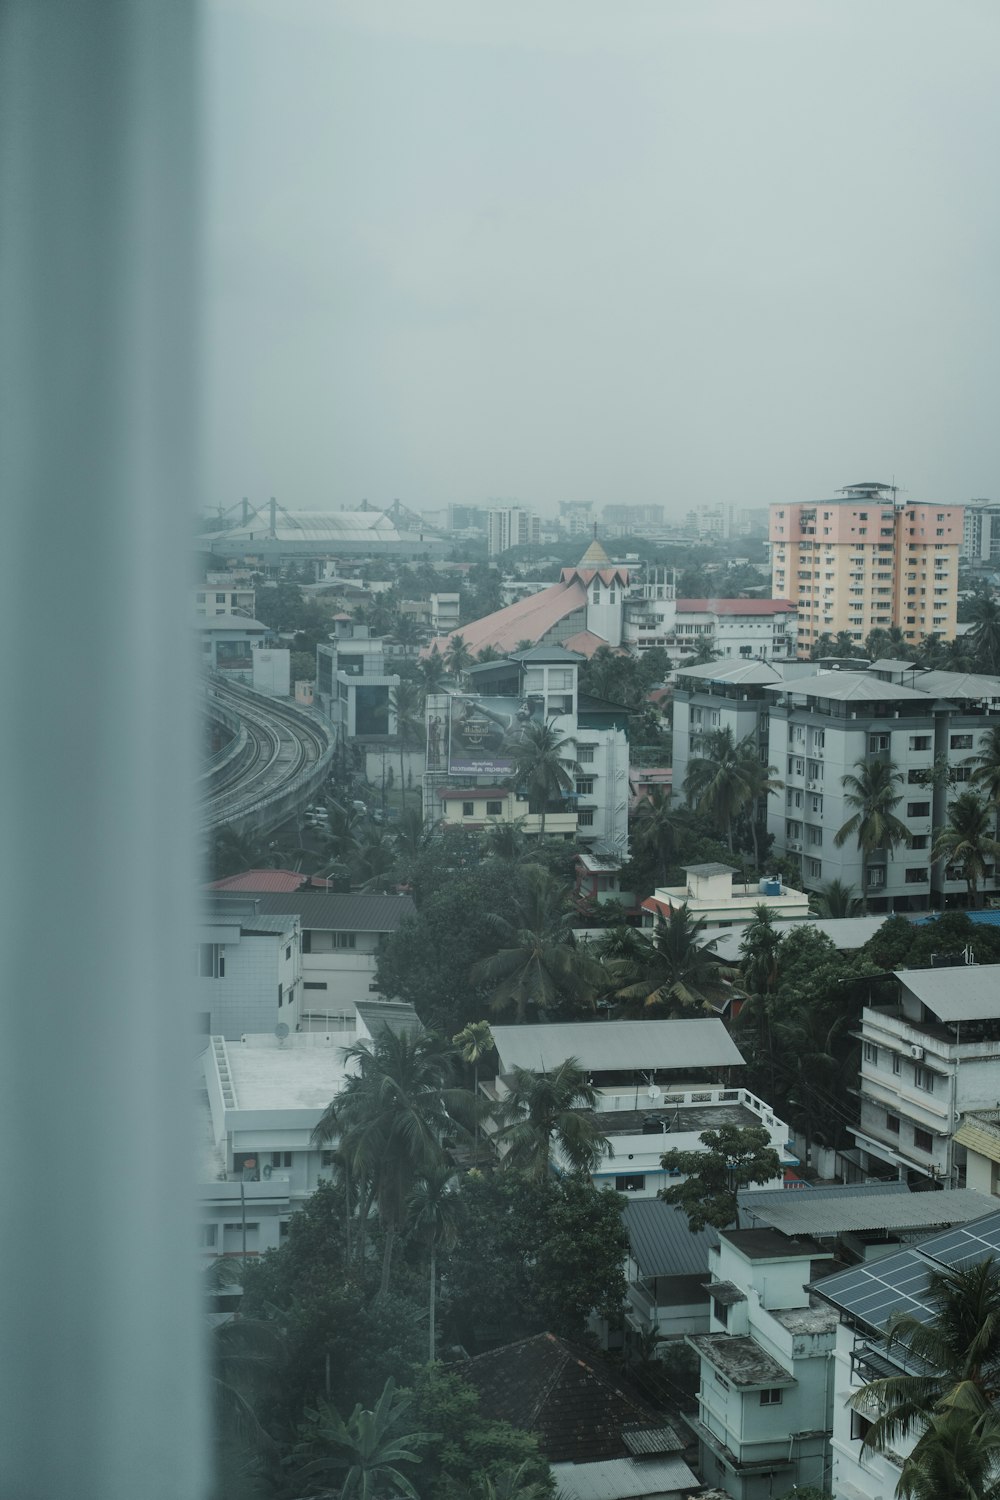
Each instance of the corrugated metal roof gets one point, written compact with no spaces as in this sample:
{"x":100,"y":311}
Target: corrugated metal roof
{"x":751,"y":1199}
{"x":610,"y":1046}
{"x":340,"y":912}
{"x":389,"y":1015}
{"x":625,"y":1479}
{"x":750,"y":672}
{"x":967,"y":993}
{"x":661,"y":1242}
{"x":846,"y":933}
{"x":959,"y":685}
{"x":852,"y":687}
{"x":813,"y":1213}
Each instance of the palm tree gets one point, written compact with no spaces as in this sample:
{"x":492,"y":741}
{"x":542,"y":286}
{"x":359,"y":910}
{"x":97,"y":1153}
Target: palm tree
{"x":473,"y":1042}
{"x":489,"y":653}
{"x":391,"y":1118}
{"x":986,"y":768}
{"x":511,"y":1485}
{"x":759,"y":948}
{"x":361,"y":1455}
{"x":984,"y":637}
{"x":761,"y":782}
{"x":543,"y":764}
{"x":508,"y":841}
{"x":705,"y":651}
{"x":835,"y":899}
{"x":458,"y":657}
{"x":656,"y":830}
{"x":374,"y":861}
{"x":952,"y":1399}
{"x":537,"y":963}
{"x":540,"y":1109}
{"x":676,"y":969}
{"x":872,"y":790}
{"x":967,"y":840}
{"x":718,"y":780}
{"x":407,"y":702}
{"x":432,"y":671}
{"x":891,"y":643}
{"x":433,"y":1211}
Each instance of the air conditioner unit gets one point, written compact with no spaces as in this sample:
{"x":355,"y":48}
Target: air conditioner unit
{"x":916,"y":1051}
{"x":795,"y":845}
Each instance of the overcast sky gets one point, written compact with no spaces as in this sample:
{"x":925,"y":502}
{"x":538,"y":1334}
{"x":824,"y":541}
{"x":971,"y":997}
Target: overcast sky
{"x":610,"y":250}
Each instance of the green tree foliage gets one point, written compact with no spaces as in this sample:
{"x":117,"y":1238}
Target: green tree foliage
{"x":968,"y":841}
{"x":984,"y":637}
{"x":370,"y":1456}
{"x":468,"y":1452}
{"x":671,"y":973}
{"x":533,"y":1257}
{"x":735,"y":1156}
{"x":543,"y":766}
{"x":873,"y":789}
{"x":898,"y":944}
{"x":835,"y":899}
{"x":952,"y":1403}
{"x":543,"y":1110}
{"x":536,"y":967}
{"x":724,"y":778}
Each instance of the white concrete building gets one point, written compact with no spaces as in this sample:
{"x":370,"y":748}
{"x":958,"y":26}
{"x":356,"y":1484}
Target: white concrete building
{"x":341,"y":937}
{"x":223,"y":596}
{"x":864,"y":1299}
{"x":249,"y":968}
{"x":444,"y":612}
{"x":765,"y":1398}
{"x":667,"y":1271}
{"x":659,"y":1086}
{"x":981,"y":532}
{"x":738,"y":629}
{"x":926,"y":1061}
{"x":511,"y":526}
{"x":353,"y":686}
{"x":711,"y":895}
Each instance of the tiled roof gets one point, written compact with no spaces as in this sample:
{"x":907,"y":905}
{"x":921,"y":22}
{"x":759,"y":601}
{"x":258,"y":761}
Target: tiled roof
{"x":575,"y":1404}
{"x":342,"y":913}
{"x":585,"y":642}
{"x":525,"y":620}
{"x":261,"y":880}
{"x":736,"y":607}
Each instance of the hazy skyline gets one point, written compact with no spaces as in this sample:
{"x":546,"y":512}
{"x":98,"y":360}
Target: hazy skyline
{"x":674,"y":251}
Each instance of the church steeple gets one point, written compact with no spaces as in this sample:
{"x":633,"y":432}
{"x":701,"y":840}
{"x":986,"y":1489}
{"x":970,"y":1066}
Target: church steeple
{"x":595,"y":555}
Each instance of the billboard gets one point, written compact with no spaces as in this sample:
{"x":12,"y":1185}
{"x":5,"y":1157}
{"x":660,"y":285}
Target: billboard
{"x":484,"y":733}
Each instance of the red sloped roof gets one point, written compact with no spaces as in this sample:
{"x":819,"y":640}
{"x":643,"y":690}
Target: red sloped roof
{"x":265,"y":880}
{"x":585,"y":642}
{"x":735,"y":607}
{"x":525,"y":620}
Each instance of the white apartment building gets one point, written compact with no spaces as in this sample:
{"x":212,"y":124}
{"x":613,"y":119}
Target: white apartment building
{"x":765,"y":1396}
{"x":864,"y":1299}
{"x":660,"y":1084}
{"x":444,"y":612}
{"x":225,"y":597}
{"x":511,"y":526}
{"x":249,"y":968}
{"x":815,"y":723}
{"x":472,"y":739}
{"x":981,"y":532}
{"x":738,"y":629}
{"x":927,"y":1060}
{"x":353,"y":688}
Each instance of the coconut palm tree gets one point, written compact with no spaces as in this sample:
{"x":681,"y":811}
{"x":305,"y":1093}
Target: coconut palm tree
{"x":508,"y":841}
{"x":432,"y":671}
{"x":718,"y":781}
{"x":543,"y":764}
{"x":952,"y":1399}
{"x":433,"y":1214}
{"x":474,"y":1041}
{"x":967,"y":841}
{"x":362,"y":1455}
{"x":537,"y":964}
{"x":986,"y":768}
{"x":374,"y":860}
{"x":656,"y":830}
{"x":872,"y":789}
{"x":835,"y":899}
{"x":397,"y":1107}
{"x":458,"y":657}
{"x":705,"y":651}
{"x":762,"y":782}
{"x":407,"y":702}
{"x":489,"y":653}
{"x":511,"y":1485}
{"x":676,"y":970}
{"x":984,"y":637}
{"x":543,"y":1109}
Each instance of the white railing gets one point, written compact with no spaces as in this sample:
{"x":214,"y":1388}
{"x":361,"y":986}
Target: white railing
{"x":639,"y":1099}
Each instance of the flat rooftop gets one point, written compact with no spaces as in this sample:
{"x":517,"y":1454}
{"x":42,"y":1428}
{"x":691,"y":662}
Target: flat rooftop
{"x":303,"y":1072}
{"x":683,"y":1120}
{"x":769,"y":1244}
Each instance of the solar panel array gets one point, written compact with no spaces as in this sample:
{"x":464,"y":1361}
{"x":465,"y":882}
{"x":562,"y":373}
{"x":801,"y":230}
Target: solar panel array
{"x":875,"y":1291}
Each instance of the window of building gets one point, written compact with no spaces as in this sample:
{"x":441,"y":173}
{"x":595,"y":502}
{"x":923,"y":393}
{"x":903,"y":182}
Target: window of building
{"x":918,"y":809}
{"x":632,"y":1182}
{"x":280,"y":995}
{"x":211,"y":961}
{"x":468,"y":808}
{"x":721,"y":1380}
{"x":961,"y":742}
{"x":314,"y":984}
{"x":876,"y":875}
{"x":494,"y":809}
{"x":814,"y":869}
{"x":281,"y":1158}
{"x":877,"y":742}
{"x":345,"y":940}
{"x":871,"y":1053}
{"x":920,"y":841}
{"x":923,"y":1078}
{"x":288,"y":950}
{"x":585,"y":786}
{"x":220,"y":598}
{"x":917,"y":877}
{"x":771,"y":1397}
{"x":892,"y":1123}
{"x":920,"y":742}
{"x":585,"y":754}
{"x":860,"y":1427}
{"x":208,"y":1236}
{"x":585,"y":817}
{"x":922,"y":1139}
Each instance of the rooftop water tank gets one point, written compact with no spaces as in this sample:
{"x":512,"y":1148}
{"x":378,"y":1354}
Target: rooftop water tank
{"x":771,"y":886}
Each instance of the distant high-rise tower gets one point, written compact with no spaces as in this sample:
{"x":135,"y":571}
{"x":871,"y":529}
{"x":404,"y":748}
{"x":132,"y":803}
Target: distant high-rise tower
{"x":867,"y":561}
{"x":981,"y":532}
{"x":512,"y":527}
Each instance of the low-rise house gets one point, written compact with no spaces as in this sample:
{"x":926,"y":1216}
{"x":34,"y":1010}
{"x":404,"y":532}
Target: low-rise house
{"x":248,"y":968}
{"x":927,"y":1059}
{"x":979,"y":1136}
{"x":600,"y":1435}
{"x":659,"y":1084}
{"x":341,"y":936}
{"x":711,"y":894}
{"x":473,"y":807}
{"x":667,"y":1270}
{"x":599,"y":878}
{"x":864,"y":1298}
{"x":765,"y":1393}
{"x":228,"y":642}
